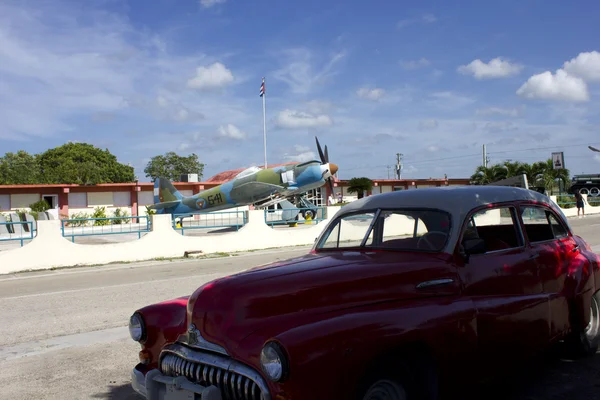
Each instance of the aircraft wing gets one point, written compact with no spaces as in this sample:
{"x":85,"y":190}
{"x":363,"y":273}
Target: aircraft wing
{"x":164,"y":204}
{"x":251,"y":192}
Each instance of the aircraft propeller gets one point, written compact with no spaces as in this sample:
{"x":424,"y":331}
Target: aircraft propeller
{"x":325,"y":160}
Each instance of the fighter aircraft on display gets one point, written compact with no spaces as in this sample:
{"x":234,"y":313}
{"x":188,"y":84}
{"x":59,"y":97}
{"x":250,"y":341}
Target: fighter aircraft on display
{"x":252,"y":186}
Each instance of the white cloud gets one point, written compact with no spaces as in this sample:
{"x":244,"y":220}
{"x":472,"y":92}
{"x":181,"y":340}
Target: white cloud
{"x":319,"y":106}
{"x":162,"y":101}
{"x":496,"y":68}
{"x":414,"y":64}
{"x":66,"y":63}
{"x":370,"y":94}
{"x":300,"y":154}
{"x":212,"y":77}
{"x":424,"y":19}
{"x":560,"y":86}
{"x":291,"y":119}
{"x":300,"y":73}
{"x":499,"y":126}
{"x":428,"y":124}
{"x":210,"y":3}
{"x":231,"y":131}
{"x":433,"y":148}
{"x":508,"y":112}
{"x":450,"y":101}
{"x":585,"y":66}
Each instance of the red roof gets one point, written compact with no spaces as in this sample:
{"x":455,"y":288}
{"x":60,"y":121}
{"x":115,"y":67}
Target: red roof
{"x":226,"y":176}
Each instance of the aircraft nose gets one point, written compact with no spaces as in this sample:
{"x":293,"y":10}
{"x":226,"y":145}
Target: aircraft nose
{"x":333,"y":168}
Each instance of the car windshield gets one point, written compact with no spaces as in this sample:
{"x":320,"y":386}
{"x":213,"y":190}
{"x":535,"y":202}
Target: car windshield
{"x":408,"y":230}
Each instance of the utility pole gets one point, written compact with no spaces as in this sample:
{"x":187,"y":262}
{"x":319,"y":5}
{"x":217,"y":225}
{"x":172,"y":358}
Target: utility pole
{"x":485,"y":159}
{"x":399,"y":165}
{"x":388,"y":168}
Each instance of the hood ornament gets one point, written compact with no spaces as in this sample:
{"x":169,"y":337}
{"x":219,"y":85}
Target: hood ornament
{"x":194,"y":339}
{"x":193,"y":334}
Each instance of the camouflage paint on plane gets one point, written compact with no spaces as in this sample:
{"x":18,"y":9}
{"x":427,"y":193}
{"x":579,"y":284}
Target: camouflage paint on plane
{"x":248,"y":187}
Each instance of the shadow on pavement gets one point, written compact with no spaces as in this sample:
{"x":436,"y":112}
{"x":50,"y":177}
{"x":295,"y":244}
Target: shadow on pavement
{"x":122,"y":392}
{"x":551,"y":377}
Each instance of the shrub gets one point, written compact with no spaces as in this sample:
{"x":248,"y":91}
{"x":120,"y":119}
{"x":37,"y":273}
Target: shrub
{"x":565,"y":201}
{"x":100,"y":212}
{"x":79,"y":219}
{"x":121,"y":213}
{"x":40,"y":206}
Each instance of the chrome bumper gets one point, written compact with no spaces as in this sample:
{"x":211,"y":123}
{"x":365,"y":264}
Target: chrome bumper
{"x":156,"y":386}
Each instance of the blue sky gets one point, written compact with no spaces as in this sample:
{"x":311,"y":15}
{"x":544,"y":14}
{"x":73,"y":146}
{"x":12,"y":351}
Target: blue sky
{"x":433,"y":80}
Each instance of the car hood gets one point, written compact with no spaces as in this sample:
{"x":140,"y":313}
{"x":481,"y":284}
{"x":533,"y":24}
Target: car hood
{"x":229,"y":309}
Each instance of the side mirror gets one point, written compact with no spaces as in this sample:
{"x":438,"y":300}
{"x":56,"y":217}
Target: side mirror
{"x":474,"y":246}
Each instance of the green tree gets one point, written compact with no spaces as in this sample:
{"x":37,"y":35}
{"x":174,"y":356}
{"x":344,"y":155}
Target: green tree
{"x":486,"y":175}
{"x":84,"y":164}
{"x":549,"y":177}
{"x":540,"y":173}
{"x":20,"y":168}
{"x":359,"y":186}
{"x":171,"y":166}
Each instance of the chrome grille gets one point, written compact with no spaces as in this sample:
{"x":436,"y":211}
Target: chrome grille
{"x":233,"y":386}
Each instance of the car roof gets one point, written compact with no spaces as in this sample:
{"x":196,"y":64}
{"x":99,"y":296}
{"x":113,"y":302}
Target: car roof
{"x":456,"y":200}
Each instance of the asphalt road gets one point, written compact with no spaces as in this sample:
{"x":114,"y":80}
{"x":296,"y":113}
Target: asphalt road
{"x":63,"y":334}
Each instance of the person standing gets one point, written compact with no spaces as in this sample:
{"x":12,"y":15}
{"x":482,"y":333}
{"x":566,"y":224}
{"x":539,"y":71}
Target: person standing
{"x":580,"y":202}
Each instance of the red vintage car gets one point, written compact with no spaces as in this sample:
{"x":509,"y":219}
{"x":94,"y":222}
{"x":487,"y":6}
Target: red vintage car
{"x":405,"y":295}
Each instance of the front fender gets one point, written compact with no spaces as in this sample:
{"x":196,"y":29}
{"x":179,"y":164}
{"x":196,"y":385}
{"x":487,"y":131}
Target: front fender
{"x":164,"y":323}
{"x":329,"y":354}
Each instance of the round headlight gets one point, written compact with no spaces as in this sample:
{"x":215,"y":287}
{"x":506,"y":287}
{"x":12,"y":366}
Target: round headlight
{"x":274,"y":362}
{"x":137,"y":330}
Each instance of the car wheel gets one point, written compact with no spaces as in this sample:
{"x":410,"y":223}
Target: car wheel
{"x":585,"y":343}
{"x":385,"y":390}
{"x":310,"y":213}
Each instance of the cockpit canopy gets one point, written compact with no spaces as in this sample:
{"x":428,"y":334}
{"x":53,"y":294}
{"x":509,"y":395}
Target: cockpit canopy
{"x":248,"y":171}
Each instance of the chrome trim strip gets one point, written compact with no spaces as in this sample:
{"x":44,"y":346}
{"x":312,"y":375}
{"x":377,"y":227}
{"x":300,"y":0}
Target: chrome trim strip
{"x":215,"y":360}
{"x":435,"y":282}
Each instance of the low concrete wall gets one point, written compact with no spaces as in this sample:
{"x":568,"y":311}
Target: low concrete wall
{"x":572,"y":212}
{"x":50,"y":249}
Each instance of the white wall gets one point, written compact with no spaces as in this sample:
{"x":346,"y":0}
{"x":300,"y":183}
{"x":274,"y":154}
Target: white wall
{"x":50,"y":249}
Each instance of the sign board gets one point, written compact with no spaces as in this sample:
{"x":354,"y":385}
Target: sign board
{"x":558,"y":160}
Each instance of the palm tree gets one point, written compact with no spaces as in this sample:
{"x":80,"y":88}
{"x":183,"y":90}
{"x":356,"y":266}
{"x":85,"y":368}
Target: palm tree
{"x":485,"y":175}
{"x":359,"y":186}
{"x":548,"y":175}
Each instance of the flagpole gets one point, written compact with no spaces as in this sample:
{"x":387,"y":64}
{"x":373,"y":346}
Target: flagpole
{"x":264,"y":94}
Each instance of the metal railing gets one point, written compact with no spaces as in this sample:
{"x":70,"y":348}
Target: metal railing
{"x":286,"y":216}
{"x":104,"y":226}
{"x":216,"y":219}
{"x":21,"y":230}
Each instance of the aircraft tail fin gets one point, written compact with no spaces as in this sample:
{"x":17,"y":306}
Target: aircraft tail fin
{"x":165,"y":192}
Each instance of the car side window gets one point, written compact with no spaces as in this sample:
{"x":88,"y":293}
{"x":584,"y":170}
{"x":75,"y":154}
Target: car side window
{"x":497,"y":227}
{"x":541,"y":224}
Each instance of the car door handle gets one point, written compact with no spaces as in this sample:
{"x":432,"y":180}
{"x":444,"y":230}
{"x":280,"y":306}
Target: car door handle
{"x":435,"y":282}
{"x":576,"y":248}
{"x":533,"y":256}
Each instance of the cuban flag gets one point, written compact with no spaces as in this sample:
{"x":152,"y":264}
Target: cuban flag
{"x":262,"y":88}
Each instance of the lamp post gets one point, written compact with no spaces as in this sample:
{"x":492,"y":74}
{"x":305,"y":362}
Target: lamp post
{"x":594,"y":149}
